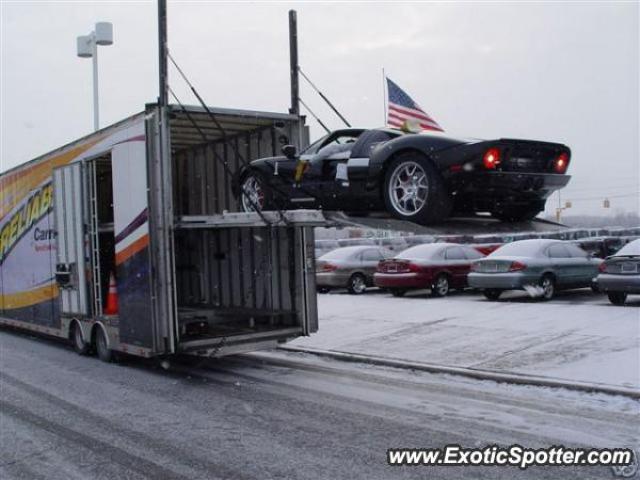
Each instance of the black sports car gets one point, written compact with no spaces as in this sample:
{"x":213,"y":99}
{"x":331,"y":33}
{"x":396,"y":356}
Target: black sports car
{"x":421,"y":177}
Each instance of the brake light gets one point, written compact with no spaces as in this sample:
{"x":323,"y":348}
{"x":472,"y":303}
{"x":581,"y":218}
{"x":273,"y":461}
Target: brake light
{"x":602,"y":268}
{"x":561,"y":163}
{"x":517,"y":266}
{"x":491,"y":158}
{"x":329,"y":267}
{"x":413,"y":268}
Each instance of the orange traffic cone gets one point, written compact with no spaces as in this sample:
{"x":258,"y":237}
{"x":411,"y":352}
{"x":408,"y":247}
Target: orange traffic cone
{"x":112,"y":297}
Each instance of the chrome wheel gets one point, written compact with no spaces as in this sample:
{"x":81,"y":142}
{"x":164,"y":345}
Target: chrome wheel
{"x":441,"y":287}
{"x":408,"y":188}
{"x":548,"y":288}
{"x":357,"y":284}
{"x":252,"y":194}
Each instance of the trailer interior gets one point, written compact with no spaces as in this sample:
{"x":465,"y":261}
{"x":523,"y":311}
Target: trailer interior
{"x":245,"y":280}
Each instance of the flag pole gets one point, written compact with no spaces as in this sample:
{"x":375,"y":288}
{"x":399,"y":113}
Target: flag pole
{"x":384,"y":96}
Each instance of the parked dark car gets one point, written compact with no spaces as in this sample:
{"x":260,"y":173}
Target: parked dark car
{"x":437,"y":266}
{"x":601,"y":247}
{"x":539,"y":266}
{"x":349,"y":267}
{"x":420,"y":177}
{"x":620,"y":273}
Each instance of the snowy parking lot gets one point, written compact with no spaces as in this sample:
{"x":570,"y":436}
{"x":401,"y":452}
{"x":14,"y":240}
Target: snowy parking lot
{"x":577,"y":337}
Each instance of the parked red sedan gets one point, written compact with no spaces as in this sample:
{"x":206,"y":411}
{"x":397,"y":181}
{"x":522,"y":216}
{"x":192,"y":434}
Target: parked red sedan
{"x":438,"y":266}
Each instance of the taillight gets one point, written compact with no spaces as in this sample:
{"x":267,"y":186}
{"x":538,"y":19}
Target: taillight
{"x":517,"y":266}
{"x":413,"y":267}
{"x":561,"y":163}
{"x":329,"y":267}
{"x":602,"y":268}
{"x":491,"y":158}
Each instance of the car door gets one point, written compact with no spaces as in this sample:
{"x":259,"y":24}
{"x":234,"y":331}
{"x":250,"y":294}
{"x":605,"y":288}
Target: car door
{"x":458,"y":265}
{"x":370,"y":259}
{"x":586,"y":266}
{"x":326,"y":175}
{"x":563,"y":265}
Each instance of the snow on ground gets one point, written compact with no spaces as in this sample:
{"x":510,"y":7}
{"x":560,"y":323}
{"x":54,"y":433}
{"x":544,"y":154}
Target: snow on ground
{"x":578,"y":336}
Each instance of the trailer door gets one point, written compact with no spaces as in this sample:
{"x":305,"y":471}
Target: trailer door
{"x":69,"y":214}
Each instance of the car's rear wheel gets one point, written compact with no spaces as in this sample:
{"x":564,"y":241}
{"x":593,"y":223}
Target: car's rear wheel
{"x":492,"y":293}
{"x":253,"y":193}
{"x":397,"y":292}
{"x":357,"y":284}
{"x":548,"y":285}
{"x":617,"y":298}
{"x":414,"y":190}
{"x":440,"y":287}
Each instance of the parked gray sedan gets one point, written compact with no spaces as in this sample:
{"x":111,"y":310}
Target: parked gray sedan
{"x":349,"y":267}
{"x":538,"y":266}
{"x":620,"y":273}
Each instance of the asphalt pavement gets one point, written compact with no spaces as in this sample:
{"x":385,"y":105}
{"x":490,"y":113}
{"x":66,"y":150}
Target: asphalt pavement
{"x":273,"y":415}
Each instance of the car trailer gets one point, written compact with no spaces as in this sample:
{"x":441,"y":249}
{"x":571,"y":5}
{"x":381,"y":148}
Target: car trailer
{"x":105,"y":218}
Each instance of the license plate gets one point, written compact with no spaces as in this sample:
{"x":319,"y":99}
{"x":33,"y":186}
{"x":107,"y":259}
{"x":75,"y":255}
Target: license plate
{"x":492,"y":267}
{"x":629,"y":267}
{"x":392,"y":269}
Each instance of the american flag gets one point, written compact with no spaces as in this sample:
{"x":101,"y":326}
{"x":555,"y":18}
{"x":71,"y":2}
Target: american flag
{"x":402,"y":110}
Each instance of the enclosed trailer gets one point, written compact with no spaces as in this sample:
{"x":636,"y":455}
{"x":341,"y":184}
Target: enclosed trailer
{"x":142,"y":212}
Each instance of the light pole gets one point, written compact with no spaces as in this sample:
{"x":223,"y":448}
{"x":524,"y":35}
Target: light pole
{"x":88,"y":48}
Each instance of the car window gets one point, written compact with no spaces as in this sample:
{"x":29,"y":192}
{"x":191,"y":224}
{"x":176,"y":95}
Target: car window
{"x":371,"y":255}
{"x":576,"y":251}
{"x":455,"y":253}
{"x":472,"y":254}
{"x":558,"y":251}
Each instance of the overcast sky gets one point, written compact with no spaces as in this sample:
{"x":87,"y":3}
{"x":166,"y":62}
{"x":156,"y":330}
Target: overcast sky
{"x":560,"y":72}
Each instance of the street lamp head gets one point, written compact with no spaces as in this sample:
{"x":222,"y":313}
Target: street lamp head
{"x":104,"y":33}
{"x":85,"y":49}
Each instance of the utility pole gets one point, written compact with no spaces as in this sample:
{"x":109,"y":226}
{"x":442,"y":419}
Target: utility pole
{"x":293,"y":60}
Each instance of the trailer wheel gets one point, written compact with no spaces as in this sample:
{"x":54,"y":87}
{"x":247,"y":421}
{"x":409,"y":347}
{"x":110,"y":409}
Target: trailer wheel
{"x":79,"y":345}
{"x":102,"y":346}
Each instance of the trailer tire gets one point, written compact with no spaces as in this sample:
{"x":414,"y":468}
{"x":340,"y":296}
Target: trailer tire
{"x":102,"y":345}
{"x":77,"y":340}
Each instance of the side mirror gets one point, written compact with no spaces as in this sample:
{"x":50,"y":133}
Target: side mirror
{"x":289,"y":151}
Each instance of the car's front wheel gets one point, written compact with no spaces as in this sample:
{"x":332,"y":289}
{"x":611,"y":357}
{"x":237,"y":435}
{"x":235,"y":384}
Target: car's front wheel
{"x":617,"y":298}
{"x":357,"y":284}
{"x":414,"y":190}
{"x":253,"y":193}
{"x":440,"y":287}
{"x":548,"y":285}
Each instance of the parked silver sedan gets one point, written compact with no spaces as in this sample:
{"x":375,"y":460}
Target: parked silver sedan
{"x":620,"y":273}
{"x":349,"y":267}
{"x":541,"y":267}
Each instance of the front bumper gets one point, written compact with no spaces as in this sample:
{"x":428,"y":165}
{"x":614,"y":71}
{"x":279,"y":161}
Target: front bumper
{"x":501,"y":281}
{"x":618,"y":283}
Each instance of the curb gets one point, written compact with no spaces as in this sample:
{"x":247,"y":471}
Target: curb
{"x":520,"y":379}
